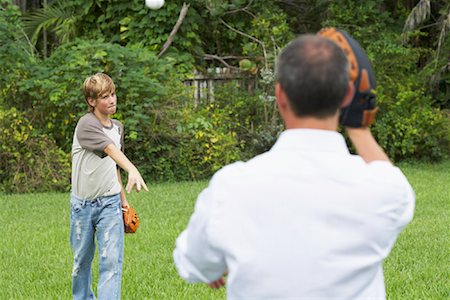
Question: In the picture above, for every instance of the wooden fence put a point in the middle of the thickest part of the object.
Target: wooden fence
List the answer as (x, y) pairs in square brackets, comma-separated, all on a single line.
[(202, 85)]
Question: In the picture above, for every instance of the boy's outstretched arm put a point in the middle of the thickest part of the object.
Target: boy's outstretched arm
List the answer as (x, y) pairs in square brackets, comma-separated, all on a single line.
[(134, 177)]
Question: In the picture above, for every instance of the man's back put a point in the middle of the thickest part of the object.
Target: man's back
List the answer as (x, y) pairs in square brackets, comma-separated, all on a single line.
[(307, 219)]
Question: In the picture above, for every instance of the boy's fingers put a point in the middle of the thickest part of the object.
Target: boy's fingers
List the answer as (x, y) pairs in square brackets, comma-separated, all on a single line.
[(130, 185), (144, 186), (138, 186)]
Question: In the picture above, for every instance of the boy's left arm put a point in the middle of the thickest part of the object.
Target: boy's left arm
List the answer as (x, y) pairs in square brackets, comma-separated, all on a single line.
[(123, 197)]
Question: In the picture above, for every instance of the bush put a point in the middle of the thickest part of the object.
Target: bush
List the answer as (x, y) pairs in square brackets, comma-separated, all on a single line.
[(193, 140), (209, 142), (30, 162), (409, 128), (236, 125)]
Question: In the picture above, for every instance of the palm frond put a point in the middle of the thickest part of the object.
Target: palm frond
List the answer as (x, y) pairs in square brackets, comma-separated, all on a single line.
[(55, 18), (445, 30), (419, 14)]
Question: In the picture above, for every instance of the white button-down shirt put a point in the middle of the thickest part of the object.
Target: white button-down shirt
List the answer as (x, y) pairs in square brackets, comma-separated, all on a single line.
[(305, 220)]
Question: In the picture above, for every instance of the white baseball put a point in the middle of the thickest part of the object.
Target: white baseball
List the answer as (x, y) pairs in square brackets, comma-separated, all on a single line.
[(154, 4)]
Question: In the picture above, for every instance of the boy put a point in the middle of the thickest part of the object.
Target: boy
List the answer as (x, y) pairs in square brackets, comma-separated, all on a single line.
[(97, 194)]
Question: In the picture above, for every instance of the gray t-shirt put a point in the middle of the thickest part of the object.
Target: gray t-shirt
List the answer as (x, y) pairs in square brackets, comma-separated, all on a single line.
[(93, 172)]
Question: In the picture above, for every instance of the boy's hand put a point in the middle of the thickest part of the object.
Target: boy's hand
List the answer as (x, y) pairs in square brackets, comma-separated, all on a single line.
[(125, 204), (135, 178)]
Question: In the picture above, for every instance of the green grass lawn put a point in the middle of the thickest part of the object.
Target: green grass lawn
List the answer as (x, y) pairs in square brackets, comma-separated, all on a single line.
[(36, 258)]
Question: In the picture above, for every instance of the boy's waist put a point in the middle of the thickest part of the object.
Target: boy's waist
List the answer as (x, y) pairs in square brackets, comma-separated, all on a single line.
[(93, 200)]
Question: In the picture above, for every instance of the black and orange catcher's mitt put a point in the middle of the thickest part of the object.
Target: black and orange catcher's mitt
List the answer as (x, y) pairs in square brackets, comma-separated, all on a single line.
[(130, 219), (362, 110)]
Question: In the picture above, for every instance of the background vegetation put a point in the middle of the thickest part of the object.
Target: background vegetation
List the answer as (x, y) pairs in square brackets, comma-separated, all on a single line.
[(418, 267), (47, 48)]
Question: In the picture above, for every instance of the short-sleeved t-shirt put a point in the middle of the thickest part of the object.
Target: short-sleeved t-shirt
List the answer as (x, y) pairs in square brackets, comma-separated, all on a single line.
[(93, 172)]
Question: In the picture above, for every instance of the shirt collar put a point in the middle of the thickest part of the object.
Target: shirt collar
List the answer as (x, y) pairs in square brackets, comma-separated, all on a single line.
[(311, 139)]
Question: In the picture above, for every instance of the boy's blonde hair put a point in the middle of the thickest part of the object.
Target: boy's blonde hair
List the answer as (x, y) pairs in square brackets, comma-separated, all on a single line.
[(97, 85)]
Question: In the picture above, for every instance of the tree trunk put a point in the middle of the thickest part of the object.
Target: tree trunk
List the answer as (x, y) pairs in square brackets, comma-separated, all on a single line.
[(22, 4)]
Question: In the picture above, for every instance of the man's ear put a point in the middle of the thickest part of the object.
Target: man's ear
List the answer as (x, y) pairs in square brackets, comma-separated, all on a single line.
[(281, 98), (349, 95)]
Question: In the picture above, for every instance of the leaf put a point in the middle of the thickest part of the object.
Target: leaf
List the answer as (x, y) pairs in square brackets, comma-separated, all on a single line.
[(419, 14)]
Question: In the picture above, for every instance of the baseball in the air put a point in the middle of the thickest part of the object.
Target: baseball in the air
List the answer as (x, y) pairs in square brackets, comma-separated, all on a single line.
[(154, 4)]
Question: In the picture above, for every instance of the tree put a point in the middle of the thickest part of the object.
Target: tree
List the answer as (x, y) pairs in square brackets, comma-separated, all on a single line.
[(429, 24)]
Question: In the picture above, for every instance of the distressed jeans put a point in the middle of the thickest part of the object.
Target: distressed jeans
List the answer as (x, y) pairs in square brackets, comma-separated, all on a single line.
[(100, 218)]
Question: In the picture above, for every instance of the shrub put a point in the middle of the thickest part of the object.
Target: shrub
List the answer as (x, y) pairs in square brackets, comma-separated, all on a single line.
[(154, 145), (30, 162), (253, 116), (409, 128), (236, 125), (209, 142)]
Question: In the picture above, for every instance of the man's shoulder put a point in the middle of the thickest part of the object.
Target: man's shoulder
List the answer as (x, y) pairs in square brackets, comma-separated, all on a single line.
[(383, 178), (229, 171), (384, 170), (240, 171), (233, 174)]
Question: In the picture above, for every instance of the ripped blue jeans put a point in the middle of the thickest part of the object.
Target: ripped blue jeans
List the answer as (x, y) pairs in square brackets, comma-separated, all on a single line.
[(100, 218)]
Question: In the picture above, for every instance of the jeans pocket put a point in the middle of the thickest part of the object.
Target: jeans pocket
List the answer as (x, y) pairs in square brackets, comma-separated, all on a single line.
[(113, 205), (75, 205)]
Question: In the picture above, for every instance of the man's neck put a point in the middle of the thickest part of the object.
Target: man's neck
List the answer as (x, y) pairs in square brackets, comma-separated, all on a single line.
[(312, 123)]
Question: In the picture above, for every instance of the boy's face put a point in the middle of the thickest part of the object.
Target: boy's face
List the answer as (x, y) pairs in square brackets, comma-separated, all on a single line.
[(105, 104)]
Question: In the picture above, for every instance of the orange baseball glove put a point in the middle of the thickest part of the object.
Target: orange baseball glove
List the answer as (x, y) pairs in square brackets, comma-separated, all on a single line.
[(130, 220), (362, 110)]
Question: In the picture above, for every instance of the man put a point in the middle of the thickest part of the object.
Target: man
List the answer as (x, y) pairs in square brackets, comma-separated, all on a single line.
[(306, 220)]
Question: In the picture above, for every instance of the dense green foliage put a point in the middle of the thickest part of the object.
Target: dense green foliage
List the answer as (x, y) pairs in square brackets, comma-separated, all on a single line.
[(29, 161), (408, 126), (417, 268), (231, 128), (169, 136), (15, 56)]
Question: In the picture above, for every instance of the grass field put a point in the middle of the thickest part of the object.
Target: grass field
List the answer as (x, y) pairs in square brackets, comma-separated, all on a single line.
[(36, 259)]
